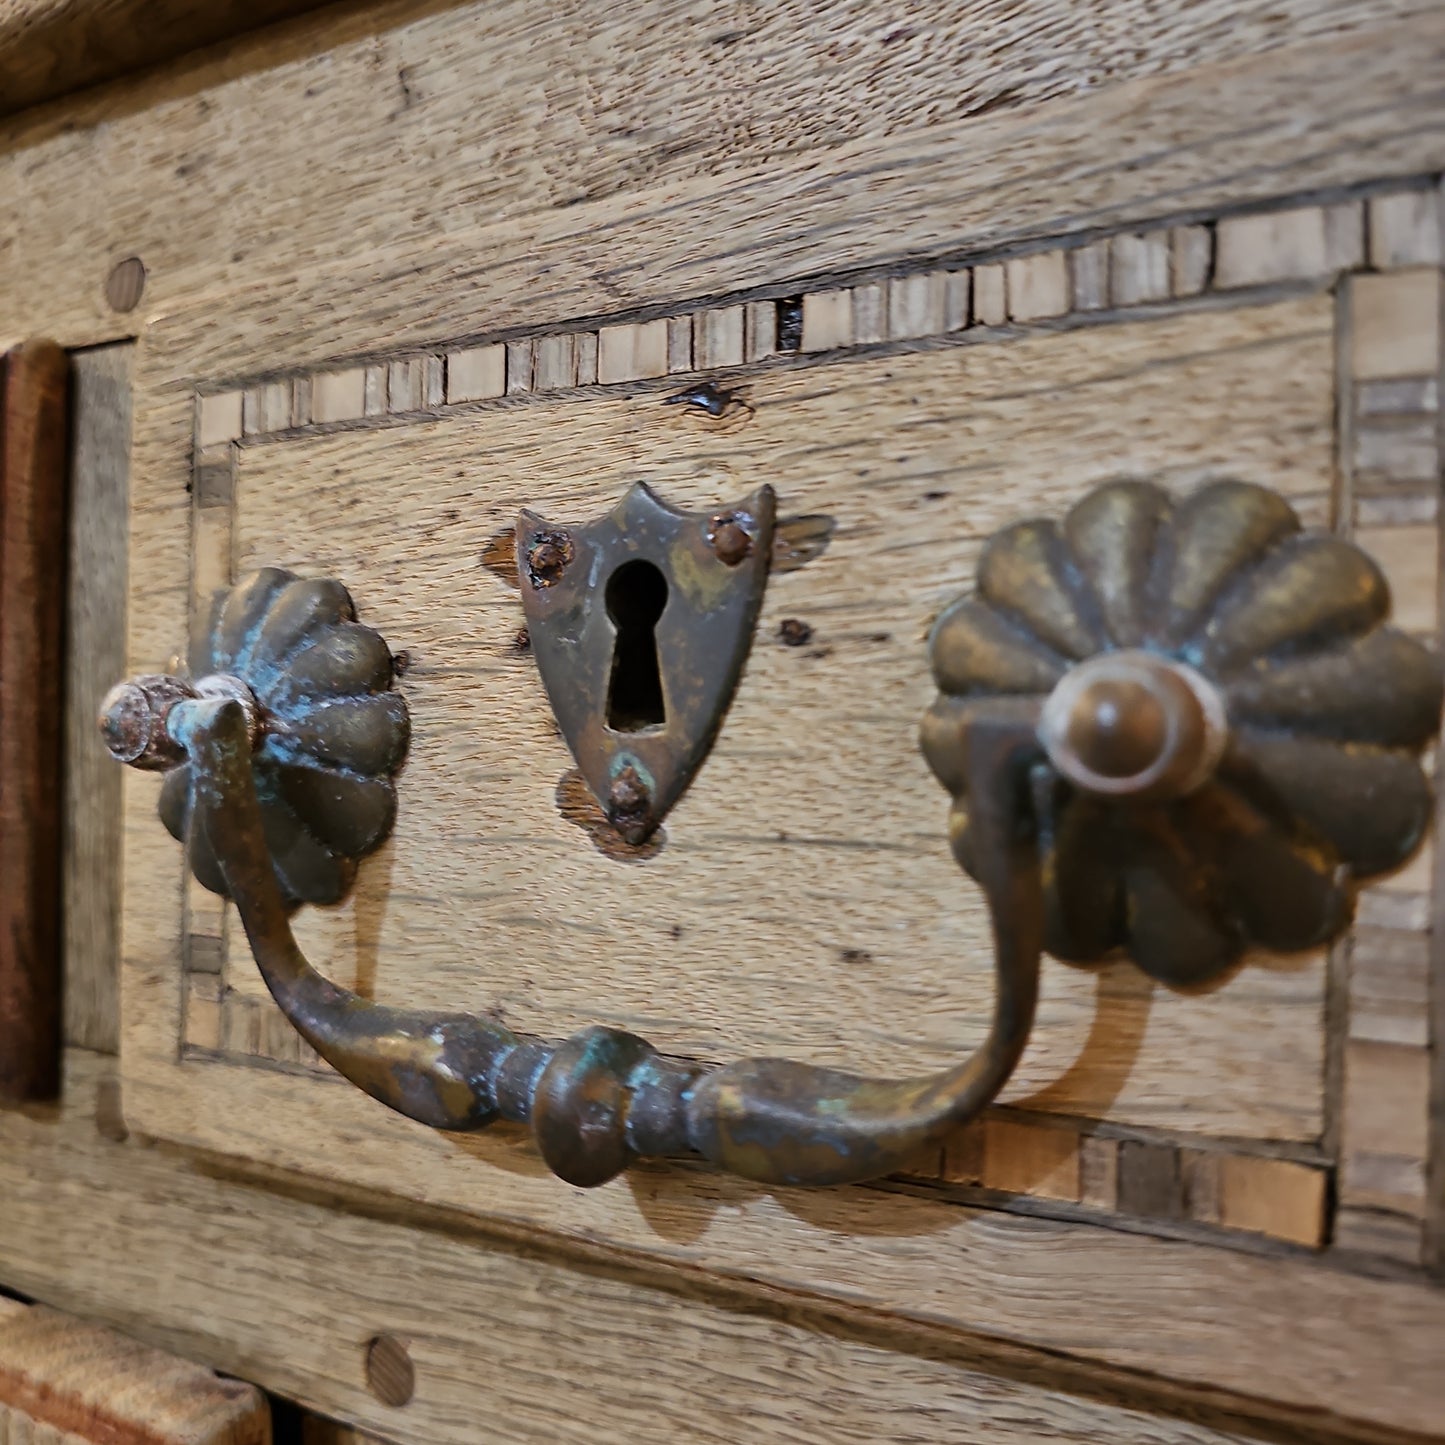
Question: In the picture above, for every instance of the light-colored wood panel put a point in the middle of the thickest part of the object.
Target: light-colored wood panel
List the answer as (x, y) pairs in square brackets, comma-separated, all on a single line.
[(407, 176), (763, 942), (1280, 245), (990, 306), (95, 658), (1038, 286), (1406, 229), (1186, 1313), (1139, 268), (587, 1353), (476, 373), (1396, 324)]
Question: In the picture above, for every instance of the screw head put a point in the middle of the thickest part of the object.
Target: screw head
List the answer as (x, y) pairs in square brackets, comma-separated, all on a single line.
[(628, 800), (548, 557), (390, 1374), (731, 540)]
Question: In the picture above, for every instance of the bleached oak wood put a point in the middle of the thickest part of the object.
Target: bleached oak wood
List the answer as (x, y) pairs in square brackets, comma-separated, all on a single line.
[(1281, 245), (1191, 257), (434, 212), (341, 395), (1390, 987), (870, 313), (1395, 324), (1139, 267), (520, 357), (718, 337), (916, 305), (769, 926), (1410, 559), (957, 299), (1322, 105), (629, 352), (219, 419), (827, 320), (476, 372), (1406, 229), (1038, 285), (287, 1289), (990, 306), (237, 1110), (1089, 276)]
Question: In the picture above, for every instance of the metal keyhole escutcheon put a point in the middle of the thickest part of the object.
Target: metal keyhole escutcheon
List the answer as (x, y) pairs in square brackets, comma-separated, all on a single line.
[(640, 622)]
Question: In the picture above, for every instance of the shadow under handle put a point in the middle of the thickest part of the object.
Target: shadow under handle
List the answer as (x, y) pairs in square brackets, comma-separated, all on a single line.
[(604, 1097)]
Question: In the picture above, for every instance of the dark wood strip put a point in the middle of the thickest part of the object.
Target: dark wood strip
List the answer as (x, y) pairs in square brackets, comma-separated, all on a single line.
[(32, 598), (49, 48)]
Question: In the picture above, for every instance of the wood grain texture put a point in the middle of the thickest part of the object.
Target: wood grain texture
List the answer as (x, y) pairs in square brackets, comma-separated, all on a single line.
[(354, 188), (765, 943), (32, 669), (1267, 368), (95, 658), (69, 1380), (318, 1430), (1390, 473), (807, 139), (287, 1291), (51, 47)]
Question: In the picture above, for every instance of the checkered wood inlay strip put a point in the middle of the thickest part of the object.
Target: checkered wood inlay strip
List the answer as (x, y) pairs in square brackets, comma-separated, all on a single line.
[(1390, 465), (1132, 269)]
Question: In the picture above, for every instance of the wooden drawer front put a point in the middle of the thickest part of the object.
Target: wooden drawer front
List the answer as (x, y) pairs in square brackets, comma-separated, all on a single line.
[(801, 898)]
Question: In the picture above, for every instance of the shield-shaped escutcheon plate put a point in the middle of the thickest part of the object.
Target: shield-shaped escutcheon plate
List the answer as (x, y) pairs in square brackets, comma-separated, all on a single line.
[(641, 622)]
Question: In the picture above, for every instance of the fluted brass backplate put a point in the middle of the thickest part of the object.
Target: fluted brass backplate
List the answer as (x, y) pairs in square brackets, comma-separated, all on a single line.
[(1248, 663)]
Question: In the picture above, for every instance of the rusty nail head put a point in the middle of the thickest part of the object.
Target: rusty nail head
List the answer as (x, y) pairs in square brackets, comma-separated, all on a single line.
[(730, 538), (628, 797), (548, 557)]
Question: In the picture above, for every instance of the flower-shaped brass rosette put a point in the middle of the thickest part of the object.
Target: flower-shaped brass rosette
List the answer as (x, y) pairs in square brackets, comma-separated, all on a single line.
[(326, 730), (1231, 729)]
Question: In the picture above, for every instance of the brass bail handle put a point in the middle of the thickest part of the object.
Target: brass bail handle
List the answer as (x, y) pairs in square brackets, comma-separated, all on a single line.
[(1173, 729)]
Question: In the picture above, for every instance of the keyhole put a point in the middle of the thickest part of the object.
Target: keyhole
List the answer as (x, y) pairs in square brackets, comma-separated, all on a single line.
[(636, 595)]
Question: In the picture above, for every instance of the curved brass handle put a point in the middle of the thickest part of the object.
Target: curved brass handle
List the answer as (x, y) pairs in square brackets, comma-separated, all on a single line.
[(604, 1096), (1175, 729)]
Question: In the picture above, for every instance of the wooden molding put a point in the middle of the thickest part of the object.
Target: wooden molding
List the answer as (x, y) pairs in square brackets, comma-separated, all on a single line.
[(1058, 1330)]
